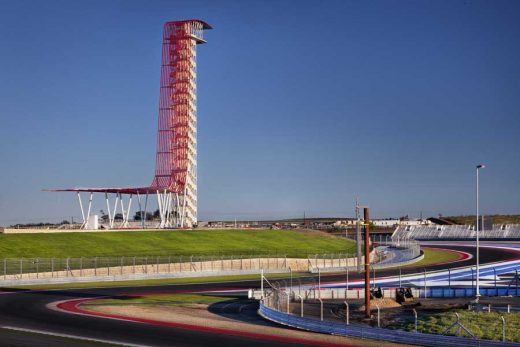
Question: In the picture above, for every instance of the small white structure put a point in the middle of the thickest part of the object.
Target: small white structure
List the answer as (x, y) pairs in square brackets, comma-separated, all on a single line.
[(92, 222)]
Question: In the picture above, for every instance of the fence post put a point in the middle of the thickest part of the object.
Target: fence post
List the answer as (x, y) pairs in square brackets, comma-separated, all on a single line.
[(5, 268), (319, 283), (37, 268), (21, 268), (508, 308), (400, 286), (321, 308), (347, 312), (81, 267), (346, 284), (122, 260), (424, 276), (472, 286), (133, 265), (301, 305), (68, 268), (458, 318), (489, 308), (415, 316), (503, 329), (378, 315), (495, 273), (516, 282), (169, 263), (52, 267), (288, 303), (95, 266), (262, 284), (108, 265), (157, 263), (290, 274)]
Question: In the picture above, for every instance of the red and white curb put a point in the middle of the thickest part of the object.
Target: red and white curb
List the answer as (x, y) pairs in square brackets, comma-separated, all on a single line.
[(72, 306)]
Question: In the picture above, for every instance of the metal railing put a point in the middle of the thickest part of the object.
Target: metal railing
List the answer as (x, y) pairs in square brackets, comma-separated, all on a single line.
[(355, 330), (77, 267)]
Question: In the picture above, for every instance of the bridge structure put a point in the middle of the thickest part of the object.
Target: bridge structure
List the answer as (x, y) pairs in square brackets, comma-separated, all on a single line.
[(175, 180)]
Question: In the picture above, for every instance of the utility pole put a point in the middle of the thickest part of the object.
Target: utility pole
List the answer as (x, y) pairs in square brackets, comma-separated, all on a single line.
[(358, 237), (367, 262), (477, 291)]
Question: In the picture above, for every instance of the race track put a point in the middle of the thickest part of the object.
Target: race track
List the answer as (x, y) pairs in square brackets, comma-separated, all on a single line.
[(28, 310)]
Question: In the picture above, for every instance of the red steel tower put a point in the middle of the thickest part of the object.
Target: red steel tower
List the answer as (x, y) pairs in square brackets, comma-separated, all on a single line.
[(175, 180)]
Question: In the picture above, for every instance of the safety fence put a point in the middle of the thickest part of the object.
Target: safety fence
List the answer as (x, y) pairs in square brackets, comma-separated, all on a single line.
[(77, 267), (360, 331), (385, 254), (312, 292), (297, 302)]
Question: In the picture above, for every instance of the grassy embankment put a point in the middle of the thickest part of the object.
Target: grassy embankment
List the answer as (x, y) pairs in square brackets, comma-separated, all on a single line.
[(434, 256), (175, 243), (483, 324)]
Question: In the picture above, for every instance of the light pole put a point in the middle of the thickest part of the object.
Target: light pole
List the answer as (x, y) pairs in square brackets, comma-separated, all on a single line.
[(477, 294)]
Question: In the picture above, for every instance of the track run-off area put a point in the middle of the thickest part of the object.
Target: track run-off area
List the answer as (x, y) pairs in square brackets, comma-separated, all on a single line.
[(54, 317)]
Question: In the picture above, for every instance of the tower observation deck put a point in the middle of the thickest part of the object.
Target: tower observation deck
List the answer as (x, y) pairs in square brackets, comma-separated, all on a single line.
[(175, 180)]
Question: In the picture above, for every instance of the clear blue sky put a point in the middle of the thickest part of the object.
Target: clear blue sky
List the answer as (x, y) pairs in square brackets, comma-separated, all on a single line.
[(303, 105)]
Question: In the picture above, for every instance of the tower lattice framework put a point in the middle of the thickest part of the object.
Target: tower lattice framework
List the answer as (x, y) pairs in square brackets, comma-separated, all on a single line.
[(175, 180), (176, 162)]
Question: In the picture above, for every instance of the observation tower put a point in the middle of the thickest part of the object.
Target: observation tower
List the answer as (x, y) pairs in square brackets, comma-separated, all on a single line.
[(175, 180)]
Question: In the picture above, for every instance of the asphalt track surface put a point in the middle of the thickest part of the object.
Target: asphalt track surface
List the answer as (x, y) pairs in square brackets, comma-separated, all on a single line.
[(28, 310)]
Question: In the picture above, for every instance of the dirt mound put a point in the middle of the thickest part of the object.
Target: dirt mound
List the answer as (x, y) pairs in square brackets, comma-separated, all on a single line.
[(382, 303)]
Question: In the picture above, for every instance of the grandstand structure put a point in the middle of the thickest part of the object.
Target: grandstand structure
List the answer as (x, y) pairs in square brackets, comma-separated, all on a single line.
[(175, 180), (456, 232)]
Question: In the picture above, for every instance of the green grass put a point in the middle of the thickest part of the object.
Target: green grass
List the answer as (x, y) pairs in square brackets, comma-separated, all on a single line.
[(176, 299), (433, 256), (484, 325), (174, 243), (155, 282)]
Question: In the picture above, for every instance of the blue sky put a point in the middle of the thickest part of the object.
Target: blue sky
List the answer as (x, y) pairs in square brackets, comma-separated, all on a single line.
[(303, 105)]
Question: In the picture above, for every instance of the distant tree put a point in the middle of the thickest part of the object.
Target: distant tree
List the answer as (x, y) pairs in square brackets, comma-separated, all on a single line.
[(137, 216), (104, 216), (65, 222)]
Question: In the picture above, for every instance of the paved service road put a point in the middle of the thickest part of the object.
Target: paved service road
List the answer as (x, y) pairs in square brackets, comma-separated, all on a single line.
[(27, 310)]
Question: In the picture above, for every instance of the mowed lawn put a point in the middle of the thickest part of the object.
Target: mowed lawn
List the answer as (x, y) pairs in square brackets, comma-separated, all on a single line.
[(174, 243)]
